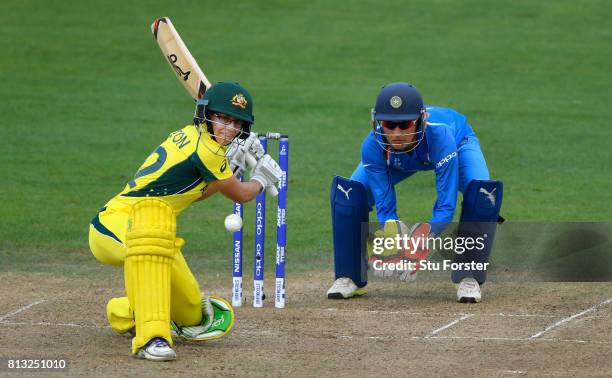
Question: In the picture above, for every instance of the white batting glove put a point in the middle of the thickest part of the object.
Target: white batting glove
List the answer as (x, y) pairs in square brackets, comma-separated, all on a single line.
[(254, 147), (245, 154), (267, 173), (237, 158)]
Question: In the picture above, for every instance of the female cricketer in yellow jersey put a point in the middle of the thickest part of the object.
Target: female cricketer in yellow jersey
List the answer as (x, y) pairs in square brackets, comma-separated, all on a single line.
[(136, 229)]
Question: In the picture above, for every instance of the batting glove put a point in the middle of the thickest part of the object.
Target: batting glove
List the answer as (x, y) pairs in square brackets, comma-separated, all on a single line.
[(267, 173)]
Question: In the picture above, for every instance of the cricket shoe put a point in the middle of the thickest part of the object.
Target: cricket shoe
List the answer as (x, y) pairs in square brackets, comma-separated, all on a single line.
[(217, 321), (344, 288), (468, 291), (157, 349)]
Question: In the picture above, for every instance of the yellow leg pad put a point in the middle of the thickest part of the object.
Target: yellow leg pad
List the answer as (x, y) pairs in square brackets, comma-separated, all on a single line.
[(120, 315), (151, 248)]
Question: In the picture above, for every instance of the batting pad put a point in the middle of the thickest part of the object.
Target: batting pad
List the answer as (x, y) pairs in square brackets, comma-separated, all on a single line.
[(150, 243)]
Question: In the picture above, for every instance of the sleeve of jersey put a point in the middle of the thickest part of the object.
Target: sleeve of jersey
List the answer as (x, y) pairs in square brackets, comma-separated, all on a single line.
[(379, 181), (445, 156), (210, 166)]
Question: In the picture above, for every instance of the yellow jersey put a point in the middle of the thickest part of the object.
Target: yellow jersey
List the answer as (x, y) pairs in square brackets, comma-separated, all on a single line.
[(178, 170)]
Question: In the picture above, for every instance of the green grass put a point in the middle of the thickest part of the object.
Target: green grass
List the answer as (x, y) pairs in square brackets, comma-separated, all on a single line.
[(86, 96)]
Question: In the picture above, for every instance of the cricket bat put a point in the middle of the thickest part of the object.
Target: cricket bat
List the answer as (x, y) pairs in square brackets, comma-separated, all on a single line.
[(179, 58)]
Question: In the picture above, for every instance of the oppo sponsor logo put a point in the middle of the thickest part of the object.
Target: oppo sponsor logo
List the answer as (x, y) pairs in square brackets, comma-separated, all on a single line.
[(258, 261), (259, 217), (258, 242), (448, 158)]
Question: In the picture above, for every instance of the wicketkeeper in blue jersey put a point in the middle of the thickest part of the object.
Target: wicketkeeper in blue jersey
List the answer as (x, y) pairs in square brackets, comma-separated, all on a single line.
[(408, 137)]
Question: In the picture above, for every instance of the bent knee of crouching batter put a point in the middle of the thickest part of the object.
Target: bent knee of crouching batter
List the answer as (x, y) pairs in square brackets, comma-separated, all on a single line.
[(120, 315)]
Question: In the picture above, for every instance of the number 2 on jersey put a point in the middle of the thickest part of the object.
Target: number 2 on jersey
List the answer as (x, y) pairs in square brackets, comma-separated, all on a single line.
[(161, 159)]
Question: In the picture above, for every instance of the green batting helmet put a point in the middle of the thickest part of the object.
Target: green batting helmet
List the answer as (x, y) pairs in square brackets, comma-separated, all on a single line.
[(232, 99)]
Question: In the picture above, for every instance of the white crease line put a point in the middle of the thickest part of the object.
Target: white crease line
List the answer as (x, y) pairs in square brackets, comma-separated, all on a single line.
[(497, 314), (569, 318), (368, 337), (434, 332), (53, 324), (270, 333), (475, 338), (21, 309), (555, 340), (376, 311), (503, 315), (575, 341)]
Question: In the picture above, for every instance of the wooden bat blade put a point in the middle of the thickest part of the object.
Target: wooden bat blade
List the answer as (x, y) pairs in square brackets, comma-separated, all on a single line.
[(179, 58)]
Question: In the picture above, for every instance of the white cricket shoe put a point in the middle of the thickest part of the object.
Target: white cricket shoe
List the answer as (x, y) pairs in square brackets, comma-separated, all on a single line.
[(157, 349), (468, 291), (344, 288)]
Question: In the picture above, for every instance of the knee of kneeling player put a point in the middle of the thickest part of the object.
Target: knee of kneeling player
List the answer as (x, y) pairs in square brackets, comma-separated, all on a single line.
[(120, 315)]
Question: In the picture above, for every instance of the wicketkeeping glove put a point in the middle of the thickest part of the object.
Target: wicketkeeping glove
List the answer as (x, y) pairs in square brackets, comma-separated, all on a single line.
[(391, 229), (418, 250)]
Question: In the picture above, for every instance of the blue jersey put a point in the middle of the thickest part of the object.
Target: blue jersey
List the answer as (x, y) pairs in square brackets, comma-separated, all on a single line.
[(446, 131)]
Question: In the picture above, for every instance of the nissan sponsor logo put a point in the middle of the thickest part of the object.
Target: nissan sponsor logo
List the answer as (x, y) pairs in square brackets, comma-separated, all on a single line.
[(448, 158), (237, 257)]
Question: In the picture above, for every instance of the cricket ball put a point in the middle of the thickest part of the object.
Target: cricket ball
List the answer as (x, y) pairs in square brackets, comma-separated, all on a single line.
[(233, 223)]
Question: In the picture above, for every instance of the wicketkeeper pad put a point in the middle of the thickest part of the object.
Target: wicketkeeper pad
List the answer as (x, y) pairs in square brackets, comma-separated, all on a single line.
[(349, 211), (150, 243), (480, 209)]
